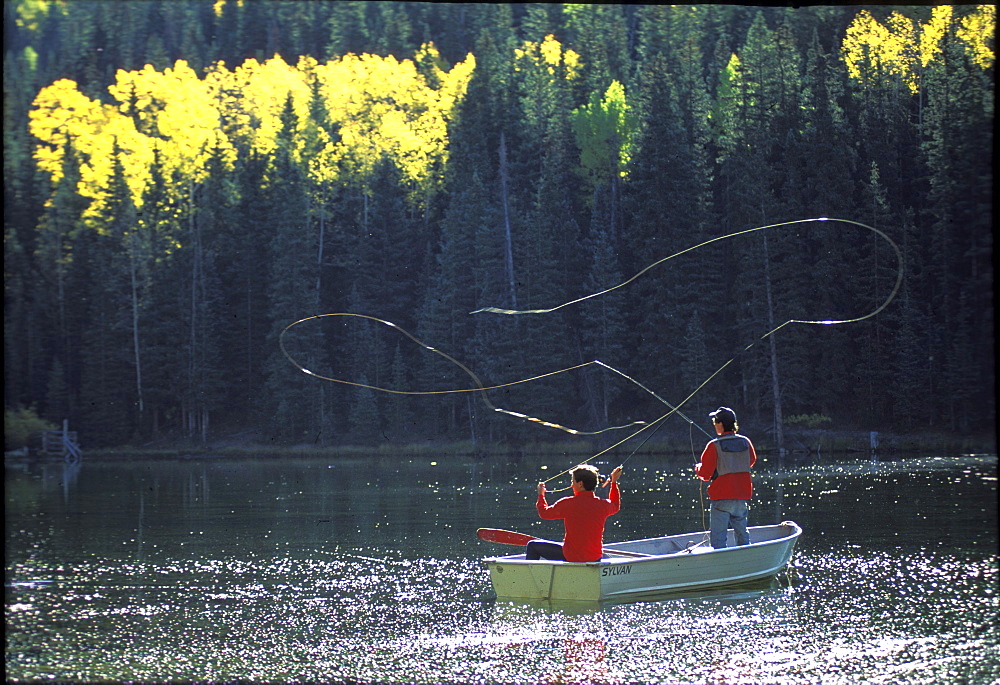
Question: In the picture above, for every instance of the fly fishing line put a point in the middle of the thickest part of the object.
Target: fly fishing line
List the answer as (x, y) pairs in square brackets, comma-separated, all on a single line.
[(482, 389), (822, 322)]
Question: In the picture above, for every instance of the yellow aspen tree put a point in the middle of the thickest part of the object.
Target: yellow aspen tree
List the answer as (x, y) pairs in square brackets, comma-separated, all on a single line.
[(905, 48), (180, 109), (378, 108), (253, 96), (933, 32), (977, 31), (62, 116), (544, 69), (385, 109)]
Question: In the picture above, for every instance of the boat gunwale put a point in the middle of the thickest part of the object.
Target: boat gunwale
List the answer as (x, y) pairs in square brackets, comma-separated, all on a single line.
[(519, 559)]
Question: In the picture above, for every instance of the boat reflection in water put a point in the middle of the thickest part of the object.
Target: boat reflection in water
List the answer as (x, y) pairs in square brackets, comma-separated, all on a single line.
[(597, 640), (585, 663)]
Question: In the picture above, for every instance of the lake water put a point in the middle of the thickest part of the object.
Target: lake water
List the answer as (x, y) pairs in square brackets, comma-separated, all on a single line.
[(369, 570)]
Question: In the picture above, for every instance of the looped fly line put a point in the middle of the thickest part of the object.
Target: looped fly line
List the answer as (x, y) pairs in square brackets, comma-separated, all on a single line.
[(479, 386), (676, 409), (643, 426)]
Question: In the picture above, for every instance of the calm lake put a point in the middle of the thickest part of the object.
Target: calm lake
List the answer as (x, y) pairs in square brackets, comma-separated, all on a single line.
[(369, 570)]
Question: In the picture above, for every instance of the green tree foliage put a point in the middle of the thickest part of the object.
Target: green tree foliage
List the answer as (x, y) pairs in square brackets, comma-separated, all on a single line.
[(21, 425), (604, 130), (292, 294), (183, 180), (601, 34)]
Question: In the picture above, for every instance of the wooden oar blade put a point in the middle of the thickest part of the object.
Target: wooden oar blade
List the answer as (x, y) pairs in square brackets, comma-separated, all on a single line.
[(504, 537)]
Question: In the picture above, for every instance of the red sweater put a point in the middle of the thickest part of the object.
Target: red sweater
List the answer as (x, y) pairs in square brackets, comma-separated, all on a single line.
[(729, 485), (583, 516)]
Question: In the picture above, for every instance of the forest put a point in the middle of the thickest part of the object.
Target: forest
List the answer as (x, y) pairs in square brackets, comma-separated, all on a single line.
[(186, 179)]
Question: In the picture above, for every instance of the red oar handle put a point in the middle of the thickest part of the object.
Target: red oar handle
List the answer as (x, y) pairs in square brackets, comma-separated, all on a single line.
[(504, 537)]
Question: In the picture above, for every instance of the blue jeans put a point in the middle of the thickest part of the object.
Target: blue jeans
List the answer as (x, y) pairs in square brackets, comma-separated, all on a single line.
[(726, 514)]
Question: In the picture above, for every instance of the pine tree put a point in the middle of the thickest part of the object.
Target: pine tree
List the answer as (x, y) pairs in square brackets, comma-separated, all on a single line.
[(160, 224), (602, 328), (204, 310), (662, 218), (293, 399), (398, 412), (364, 422), (959, 239), (68, 274), (106, 398), (599, 33), (387, 176)]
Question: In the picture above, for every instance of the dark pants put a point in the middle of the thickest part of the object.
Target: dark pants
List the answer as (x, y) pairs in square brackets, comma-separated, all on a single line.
[(543, 549)]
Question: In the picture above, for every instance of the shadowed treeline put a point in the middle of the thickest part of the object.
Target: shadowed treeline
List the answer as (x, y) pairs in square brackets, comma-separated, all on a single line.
[(184, 179)]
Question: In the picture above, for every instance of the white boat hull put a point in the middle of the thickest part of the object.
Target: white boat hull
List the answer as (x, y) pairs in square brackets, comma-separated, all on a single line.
[(676, 563)]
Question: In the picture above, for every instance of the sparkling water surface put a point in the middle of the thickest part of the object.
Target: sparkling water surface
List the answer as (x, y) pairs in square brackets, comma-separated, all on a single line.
[(370, 570)]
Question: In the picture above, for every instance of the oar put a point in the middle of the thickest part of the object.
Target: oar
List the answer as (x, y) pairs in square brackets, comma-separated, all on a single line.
[(509, 537), (504, 537)]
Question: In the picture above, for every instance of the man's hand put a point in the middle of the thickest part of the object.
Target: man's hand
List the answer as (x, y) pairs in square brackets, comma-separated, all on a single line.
[(541, 488), (615, 475)]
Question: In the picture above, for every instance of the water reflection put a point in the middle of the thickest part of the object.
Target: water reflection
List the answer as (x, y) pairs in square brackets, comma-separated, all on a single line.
[(370, 570), (585, 663), (69, 476)]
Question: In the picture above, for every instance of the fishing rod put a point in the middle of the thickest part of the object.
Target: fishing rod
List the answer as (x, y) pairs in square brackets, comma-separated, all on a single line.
[(672, 407)]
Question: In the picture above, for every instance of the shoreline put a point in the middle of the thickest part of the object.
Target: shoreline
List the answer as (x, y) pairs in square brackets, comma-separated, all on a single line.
[(799, 443)]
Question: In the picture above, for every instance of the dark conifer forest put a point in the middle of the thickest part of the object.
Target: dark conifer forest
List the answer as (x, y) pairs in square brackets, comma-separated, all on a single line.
[(184, 179)]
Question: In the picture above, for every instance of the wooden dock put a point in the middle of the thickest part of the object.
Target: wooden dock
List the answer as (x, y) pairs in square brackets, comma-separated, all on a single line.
[(63, 443)]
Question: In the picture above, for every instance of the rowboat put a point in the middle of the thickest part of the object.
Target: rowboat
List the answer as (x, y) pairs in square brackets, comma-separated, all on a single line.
[(652, 566)]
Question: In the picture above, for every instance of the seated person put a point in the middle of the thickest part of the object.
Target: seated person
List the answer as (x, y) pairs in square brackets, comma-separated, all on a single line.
[(583, 514)]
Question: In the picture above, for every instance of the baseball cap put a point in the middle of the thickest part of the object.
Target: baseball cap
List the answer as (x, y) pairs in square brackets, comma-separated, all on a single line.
[(723, 415)]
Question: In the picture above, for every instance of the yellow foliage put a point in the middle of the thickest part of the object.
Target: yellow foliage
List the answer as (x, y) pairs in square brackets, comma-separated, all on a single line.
[(378, 108), (384, 108), (903, 49), (933, 32), (59, 114), (454, 85), (252, 97), (179, 110), (860, 43), (900, 50), (549, 53), (977, 31), (62, 116), (872, 51)]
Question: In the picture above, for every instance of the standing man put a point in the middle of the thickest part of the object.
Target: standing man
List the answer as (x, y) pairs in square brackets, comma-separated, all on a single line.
[(726, 462), (583, 514)]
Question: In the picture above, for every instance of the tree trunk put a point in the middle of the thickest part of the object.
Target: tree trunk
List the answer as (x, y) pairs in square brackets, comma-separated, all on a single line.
[(319, 255), (508, 241), (472, 422), (779, 435), (135, 325), (193, 333)]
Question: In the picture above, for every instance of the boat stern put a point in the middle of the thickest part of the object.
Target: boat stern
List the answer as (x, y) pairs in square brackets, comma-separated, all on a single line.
[(545, 579)]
